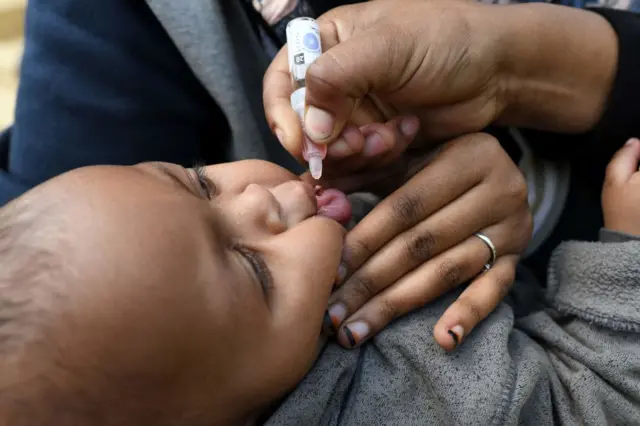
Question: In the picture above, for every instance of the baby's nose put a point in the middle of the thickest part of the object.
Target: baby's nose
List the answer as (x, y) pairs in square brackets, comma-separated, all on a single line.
[(261, 203), (297, 201)]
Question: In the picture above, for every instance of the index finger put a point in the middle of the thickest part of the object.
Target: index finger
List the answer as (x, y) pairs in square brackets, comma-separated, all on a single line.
[(421, 196), (276, 91)]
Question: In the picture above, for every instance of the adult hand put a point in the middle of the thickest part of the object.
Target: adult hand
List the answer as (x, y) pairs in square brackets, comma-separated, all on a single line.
[(419, 243), (457, 65)]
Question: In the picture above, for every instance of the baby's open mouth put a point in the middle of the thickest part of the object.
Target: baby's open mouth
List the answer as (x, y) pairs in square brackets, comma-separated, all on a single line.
[(333, 204)]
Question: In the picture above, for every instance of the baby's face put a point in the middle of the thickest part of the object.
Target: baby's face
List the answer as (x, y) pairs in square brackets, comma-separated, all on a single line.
[(210, 287)]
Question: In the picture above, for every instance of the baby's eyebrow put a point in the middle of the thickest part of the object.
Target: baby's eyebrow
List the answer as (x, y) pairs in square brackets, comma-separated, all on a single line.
[(166, 171)]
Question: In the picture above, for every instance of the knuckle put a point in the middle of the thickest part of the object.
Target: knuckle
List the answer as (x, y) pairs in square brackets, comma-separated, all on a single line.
[(485, 141), (388, 311), (450, 273), (408, 209), (361, 288), (492, 156), (357, 251), (519, 227), (419, 248), (504, 282), (487, 147), (326, 74), (516, 188), (470, 308)]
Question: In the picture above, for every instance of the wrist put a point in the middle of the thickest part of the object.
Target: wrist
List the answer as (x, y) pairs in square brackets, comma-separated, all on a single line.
[(557, 67)]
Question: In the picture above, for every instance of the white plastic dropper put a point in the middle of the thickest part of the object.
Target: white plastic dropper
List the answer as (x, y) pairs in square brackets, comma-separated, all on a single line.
[(312, 153), (304, 47)]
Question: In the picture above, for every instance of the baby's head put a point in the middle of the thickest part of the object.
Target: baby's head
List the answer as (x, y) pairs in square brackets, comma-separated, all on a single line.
[(158, 295)]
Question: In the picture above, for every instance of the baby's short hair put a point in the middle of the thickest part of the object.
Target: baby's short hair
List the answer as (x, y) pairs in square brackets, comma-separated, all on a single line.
[(37, 386), (28, 262), (39, 383), (32, 265)]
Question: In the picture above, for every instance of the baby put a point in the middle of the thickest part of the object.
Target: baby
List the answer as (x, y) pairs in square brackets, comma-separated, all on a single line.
[(157, 295)]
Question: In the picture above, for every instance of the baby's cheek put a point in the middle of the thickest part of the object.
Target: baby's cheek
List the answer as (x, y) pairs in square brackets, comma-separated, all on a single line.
[(297, 361)]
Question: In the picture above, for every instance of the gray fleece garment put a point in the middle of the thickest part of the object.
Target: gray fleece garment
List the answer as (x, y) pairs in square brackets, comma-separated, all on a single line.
[(567, 357)]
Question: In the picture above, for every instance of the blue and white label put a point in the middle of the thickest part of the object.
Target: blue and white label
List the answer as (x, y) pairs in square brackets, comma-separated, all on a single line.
[(303, 45), (311, 42)]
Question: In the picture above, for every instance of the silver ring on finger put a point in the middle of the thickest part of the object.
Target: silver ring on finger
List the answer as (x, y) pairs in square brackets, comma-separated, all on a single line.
[(492, 249)]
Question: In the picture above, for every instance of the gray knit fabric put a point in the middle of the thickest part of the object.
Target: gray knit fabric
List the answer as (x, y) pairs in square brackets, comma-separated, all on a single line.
[(576, 362)]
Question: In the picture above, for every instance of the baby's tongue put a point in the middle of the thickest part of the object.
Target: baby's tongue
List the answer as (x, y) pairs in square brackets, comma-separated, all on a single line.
[(335, 205)]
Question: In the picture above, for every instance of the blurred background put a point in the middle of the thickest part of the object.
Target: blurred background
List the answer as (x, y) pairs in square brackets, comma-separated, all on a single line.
[(11, 45)]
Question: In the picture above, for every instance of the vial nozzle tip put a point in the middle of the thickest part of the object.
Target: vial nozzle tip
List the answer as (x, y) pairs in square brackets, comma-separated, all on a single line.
[(315, 167)]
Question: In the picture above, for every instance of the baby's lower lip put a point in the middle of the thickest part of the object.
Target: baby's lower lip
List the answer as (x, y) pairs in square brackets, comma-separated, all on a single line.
[(334, 204)]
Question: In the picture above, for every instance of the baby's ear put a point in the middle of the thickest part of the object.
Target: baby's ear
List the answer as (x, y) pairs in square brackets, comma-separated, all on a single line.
[(624, 163)]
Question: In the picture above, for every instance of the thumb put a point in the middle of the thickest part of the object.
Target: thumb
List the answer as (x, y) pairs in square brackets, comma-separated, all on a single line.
[(346, 73), (624, 163)]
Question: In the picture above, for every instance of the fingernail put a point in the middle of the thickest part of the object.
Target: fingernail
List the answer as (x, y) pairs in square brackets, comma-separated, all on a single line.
[(318, 124), (327, 324), (456, 334), (631, 141), (342, 272), (373, 145), (356, 332), (337, 313), (340, 148), (409, 126), (280, 135)]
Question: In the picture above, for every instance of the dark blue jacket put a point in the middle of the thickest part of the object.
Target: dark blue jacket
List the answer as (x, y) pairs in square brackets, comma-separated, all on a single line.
[(102, 83)]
